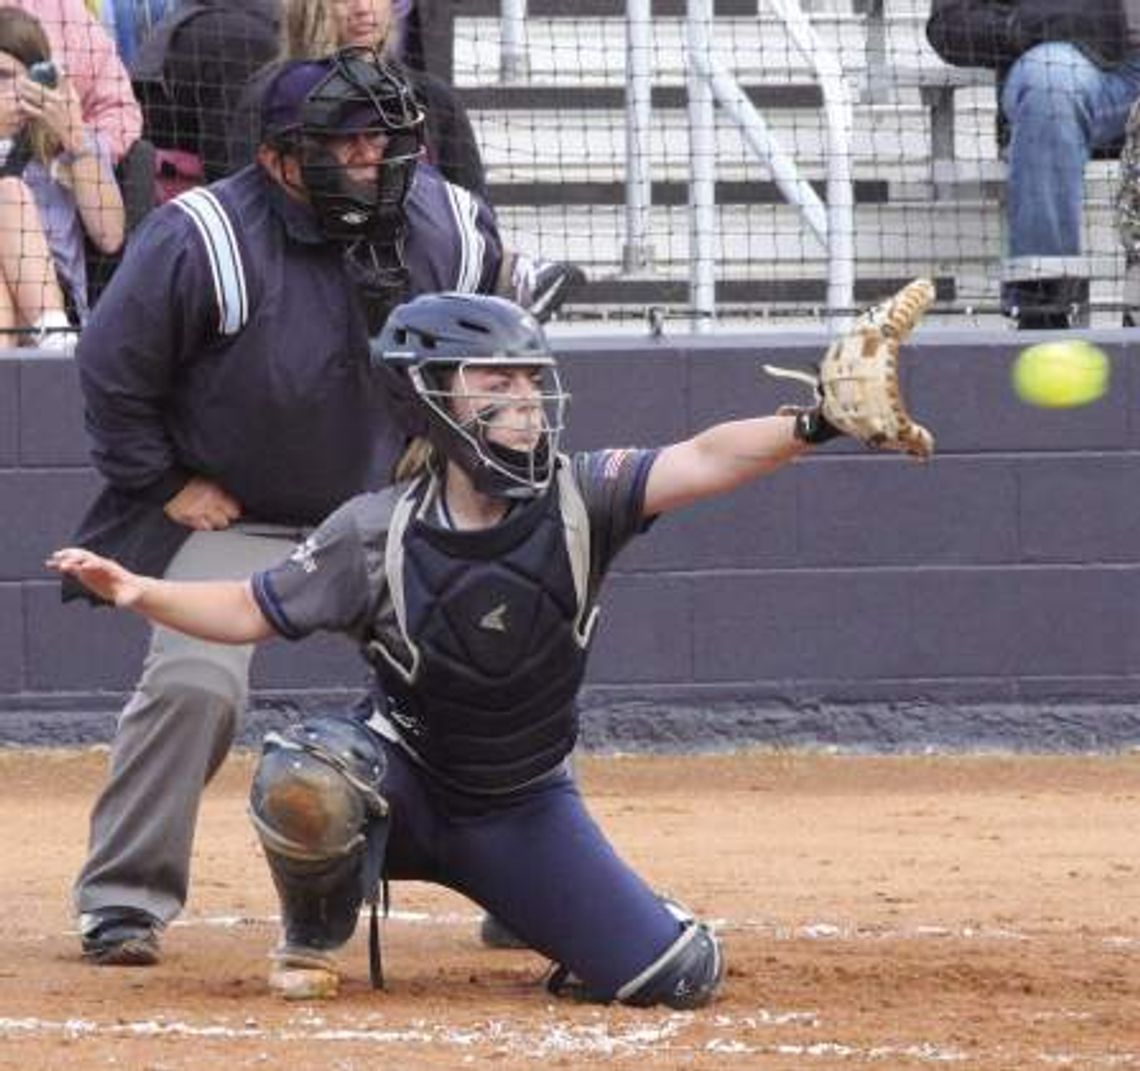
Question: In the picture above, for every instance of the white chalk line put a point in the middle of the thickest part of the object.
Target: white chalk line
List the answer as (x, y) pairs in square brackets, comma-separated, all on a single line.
[(810, 931), (665, 1036), (662, 1037), (777, 931), (598, 1039)]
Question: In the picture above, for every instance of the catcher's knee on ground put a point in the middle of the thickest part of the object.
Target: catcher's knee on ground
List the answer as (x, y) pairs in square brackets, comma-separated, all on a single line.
[(685, 976), (317, 806)]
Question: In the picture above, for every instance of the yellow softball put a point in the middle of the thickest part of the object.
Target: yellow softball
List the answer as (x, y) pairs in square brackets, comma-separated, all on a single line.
[(1062, 374)]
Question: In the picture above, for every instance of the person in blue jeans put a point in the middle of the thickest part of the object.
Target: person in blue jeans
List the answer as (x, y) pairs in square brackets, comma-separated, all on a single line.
[(471, 587), (1068, 75)]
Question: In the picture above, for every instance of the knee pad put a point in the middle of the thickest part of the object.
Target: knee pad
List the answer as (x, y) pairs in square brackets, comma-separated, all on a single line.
[(317, 805), (686, 975), (317, 788)]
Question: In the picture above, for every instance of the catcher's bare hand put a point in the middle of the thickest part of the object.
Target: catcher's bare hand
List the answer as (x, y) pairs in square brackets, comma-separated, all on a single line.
[(102, 576), (204, 506)]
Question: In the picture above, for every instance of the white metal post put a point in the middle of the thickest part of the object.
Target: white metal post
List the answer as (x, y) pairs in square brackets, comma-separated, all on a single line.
[(702, 166), (833, 225), (512, 41), (839, 114), (638, 252)]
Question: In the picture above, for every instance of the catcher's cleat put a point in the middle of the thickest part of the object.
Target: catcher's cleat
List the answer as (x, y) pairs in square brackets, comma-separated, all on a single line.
[(496, 934), (303, 974), (120, 937)]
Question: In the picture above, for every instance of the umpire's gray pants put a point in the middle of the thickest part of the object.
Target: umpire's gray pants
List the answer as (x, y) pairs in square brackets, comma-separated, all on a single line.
[(171, 738)]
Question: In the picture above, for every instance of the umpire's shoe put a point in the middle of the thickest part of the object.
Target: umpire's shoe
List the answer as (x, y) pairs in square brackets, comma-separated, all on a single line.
[(120, 937)]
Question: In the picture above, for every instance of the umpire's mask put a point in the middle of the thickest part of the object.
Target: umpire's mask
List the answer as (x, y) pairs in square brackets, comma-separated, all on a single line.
[(352, 123)]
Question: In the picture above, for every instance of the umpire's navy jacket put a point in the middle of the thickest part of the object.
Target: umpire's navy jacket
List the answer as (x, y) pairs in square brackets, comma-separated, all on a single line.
[(251, 370)]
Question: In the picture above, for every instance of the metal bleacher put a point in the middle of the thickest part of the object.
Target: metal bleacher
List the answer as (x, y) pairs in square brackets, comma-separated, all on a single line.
[(928, 181)]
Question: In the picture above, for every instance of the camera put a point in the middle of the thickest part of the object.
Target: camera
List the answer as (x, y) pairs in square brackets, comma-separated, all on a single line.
[(44, 72)]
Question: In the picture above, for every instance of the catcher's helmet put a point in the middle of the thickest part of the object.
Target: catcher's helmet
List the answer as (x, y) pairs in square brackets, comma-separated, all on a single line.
[(426, 346), (350, 93)]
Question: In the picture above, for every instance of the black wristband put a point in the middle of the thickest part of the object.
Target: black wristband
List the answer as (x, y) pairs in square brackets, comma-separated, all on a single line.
[(813, 428)]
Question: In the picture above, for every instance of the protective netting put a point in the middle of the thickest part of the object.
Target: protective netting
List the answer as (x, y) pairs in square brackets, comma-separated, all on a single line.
[(928, 173), (837, 154)]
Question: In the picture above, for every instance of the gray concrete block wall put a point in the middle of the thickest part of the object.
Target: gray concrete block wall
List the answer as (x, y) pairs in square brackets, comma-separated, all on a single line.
[(878, 597)]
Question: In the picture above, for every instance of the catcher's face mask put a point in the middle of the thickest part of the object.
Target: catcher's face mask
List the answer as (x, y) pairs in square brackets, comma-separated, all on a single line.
[(506, 419), (479, 372)]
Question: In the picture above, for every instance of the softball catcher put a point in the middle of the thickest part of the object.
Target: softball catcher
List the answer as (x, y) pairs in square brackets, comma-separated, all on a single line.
[(472, 589)]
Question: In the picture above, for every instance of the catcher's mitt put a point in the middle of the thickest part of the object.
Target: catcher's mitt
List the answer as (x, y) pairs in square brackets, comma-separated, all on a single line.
[(857, 384)]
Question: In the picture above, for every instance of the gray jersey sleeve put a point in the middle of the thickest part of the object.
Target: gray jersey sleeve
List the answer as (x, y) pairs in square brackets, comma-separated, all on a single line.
[(612, 483), (334, 579)]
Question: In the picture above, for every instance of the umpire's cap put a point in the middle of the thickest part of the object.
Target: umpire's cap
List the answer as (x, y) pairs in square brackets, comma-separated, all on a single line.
[(351, 91)]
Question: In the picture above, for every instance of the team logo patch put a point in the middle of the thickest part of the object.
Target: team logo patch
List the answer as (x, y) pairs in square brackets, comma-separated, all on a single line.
[(495, 620), (305, 555)]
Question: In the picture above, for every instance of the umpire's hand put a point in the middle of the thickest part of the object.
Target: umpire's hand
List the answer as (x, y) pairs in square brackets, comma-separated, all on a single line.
[(203, 506)]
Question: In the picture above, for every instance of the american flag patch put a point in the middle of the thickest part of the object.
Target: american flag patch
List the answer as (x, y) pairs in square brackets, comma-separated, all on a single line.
[(613, 463)]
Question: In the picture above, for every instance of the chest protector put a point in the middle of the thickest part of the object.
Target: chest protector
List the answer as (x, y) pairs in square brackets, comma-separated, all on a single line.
[(483, 649)]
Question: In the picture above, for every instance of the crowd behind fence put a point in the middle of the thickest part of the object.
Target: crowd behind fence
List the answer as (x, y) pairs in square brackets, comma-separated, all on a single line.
[(777, 160)]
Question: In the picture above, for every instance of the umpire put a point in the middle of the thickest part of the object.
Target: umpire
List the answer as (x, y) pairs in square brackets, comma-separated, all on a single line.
[(230, 403)]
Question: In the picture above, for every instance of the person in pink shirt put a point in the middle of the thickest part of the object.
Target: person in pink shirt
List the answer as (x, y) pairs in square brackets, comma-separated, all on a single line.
[(84, 49), (56, 191)]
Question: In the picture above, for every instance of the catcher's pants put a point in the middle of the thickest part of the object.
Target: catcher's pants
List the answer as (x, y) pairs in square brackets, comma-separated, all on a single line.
[(537, 861), (171, 738), (1061, 107)]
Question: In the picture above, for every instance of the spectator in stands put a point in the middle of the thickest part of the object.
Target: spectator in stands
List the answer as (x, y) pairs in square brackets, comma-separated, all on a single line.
[(56, 185), (226, 375), (1128, 215), (427, 36), (130, 22), (192, 72), (82, 47), (1068, 74), (315, 27)]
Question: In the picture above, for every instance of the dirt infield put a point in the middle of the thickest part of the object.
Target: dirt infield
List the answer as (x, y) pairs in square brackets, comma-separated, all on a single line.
[(979, 912)]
